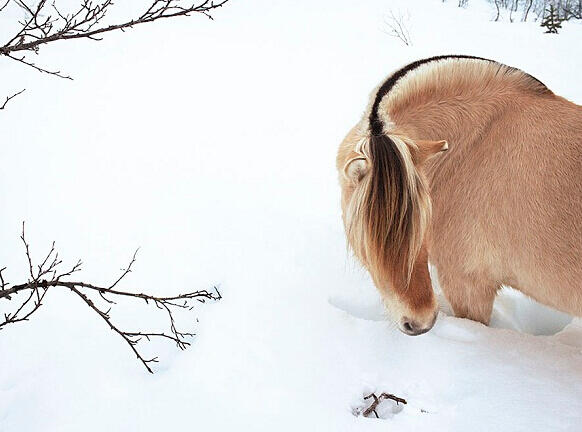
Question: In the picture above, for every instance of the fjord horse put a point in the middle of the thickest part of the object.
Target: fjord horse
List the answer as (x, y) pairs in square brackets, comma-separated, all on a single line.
[(473, 166)]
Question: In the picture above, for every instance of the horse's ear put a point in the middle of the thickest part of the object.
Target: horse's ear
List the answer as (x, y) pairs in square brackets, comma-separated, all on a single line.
[(428, 149), (356, 168)]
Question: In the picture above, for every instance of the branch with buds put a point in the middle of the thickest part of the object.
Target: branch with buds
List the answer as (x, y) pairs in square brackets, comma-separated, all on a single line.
[(47, 275), (45, 23)]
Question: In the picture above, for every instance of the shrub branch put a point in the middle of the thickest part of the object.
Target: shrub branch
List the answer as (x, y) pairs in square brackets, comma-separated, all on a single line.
[(45, 23), (47, 275)]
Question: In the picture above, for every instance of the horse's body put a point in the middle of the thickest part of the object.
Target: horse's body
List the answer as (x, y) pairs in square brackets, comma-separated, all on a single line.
[(503, 206)]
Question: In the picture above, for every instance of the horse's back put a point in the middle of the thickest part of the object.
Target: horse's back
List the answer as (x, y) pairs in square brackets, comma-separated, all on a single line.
[(509, 205)]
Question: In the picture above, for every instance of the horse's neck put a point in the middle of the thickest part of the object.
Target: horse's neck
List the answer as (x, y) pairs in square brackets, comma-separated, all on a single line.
[(461, 120)]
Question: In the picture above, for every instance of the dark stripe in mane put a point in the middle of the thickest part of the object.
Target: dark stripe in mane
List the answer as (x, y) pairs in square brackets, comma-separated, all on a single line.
[(376, 125)]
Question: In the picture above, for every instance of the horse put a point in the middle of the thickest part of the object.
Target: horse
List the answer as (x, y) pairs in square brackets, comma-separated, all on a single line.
[(474, 167)]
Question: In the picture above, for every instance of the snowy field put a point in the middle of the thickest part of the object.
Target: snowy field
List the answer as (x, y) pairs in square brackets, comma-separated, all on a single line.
[(211, 145)]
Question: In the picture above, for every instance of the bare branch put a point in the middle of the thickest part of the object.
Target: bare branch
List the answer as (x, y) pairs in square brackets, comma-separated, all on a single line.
[(4, 5), (377, 400), (45, 276), (8, 98), (125, 271), (46, 23), (397, 26), (38, 68), (2, 283)]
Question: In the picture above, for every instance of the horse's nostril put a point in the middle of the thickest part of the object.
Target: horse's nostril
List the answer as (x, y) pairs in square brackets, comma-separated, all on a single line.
[(412, 328), (408, 327)]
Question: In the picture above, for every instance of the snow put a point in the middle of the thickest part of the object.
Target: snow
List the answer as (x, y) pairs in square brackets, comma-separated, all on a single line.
[(211, 145)]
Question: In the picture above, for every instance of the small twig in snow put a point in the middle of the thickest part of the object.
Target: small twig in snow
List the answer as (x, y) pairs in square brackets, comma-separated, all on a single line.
[(377, 400)]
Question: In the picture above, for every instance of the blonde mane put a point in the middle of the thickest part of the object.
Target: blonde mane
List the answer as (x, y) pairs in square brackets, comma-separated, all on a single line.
[(389, 212)]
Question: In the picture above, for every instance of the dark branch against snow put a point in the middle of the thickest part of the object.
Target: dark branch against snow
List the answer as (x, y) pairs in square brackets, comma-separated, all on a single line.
[(46, 23), (8, 98), (46, 275)]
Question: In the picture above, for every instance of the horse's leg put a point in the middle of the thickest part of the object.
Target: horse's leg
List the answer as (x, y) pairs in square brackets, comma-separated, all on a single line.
[(470, 296)]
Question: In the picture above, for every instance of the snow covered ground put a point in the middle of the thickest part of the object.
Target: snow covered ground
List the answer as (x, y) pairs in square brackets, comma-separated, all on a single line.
[(212, 146)]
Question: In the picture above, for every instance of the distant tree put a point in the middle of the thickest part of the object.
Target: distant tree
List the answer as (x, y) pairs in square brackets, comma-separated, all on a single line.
[(552, 20), (497, 9), (538, 9), (528, 8), (573, 10)]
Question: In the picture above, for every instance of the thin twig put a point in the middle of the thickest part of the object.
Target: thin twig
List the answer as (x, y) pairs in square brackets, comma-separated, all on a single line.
[(377, 400), (4, 5), (8, 98), (46, 23), (397, 24), (45, 276), (38, 68)]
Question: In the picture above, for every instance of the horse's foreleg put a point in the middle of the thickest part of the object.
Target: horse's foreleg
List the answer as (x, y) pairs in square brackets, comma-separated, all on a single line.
[(470, 296)]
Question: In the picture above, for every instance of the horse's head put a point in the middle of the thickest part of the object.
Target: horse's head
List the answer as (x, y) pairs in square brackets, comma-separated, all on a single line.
[(386, 212)]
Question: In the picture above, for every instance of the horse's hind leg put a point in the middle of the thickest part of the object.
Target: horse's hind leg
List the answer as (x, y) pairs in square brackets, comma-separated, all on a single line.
[(470, 296)]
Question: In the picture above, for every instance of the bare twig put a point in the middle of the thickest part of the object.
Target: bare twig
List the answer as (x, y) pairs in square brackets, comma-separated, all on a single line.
[(8, 98), (44, 26), (4, 5), (397, 27), (45, 276), (45, 23), (377, 400), (38, 68)]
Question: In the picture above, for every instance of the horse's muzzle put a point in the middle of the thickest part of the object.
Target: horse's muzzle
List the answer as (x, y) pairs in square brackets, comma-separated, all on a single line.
[(414, 328)]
